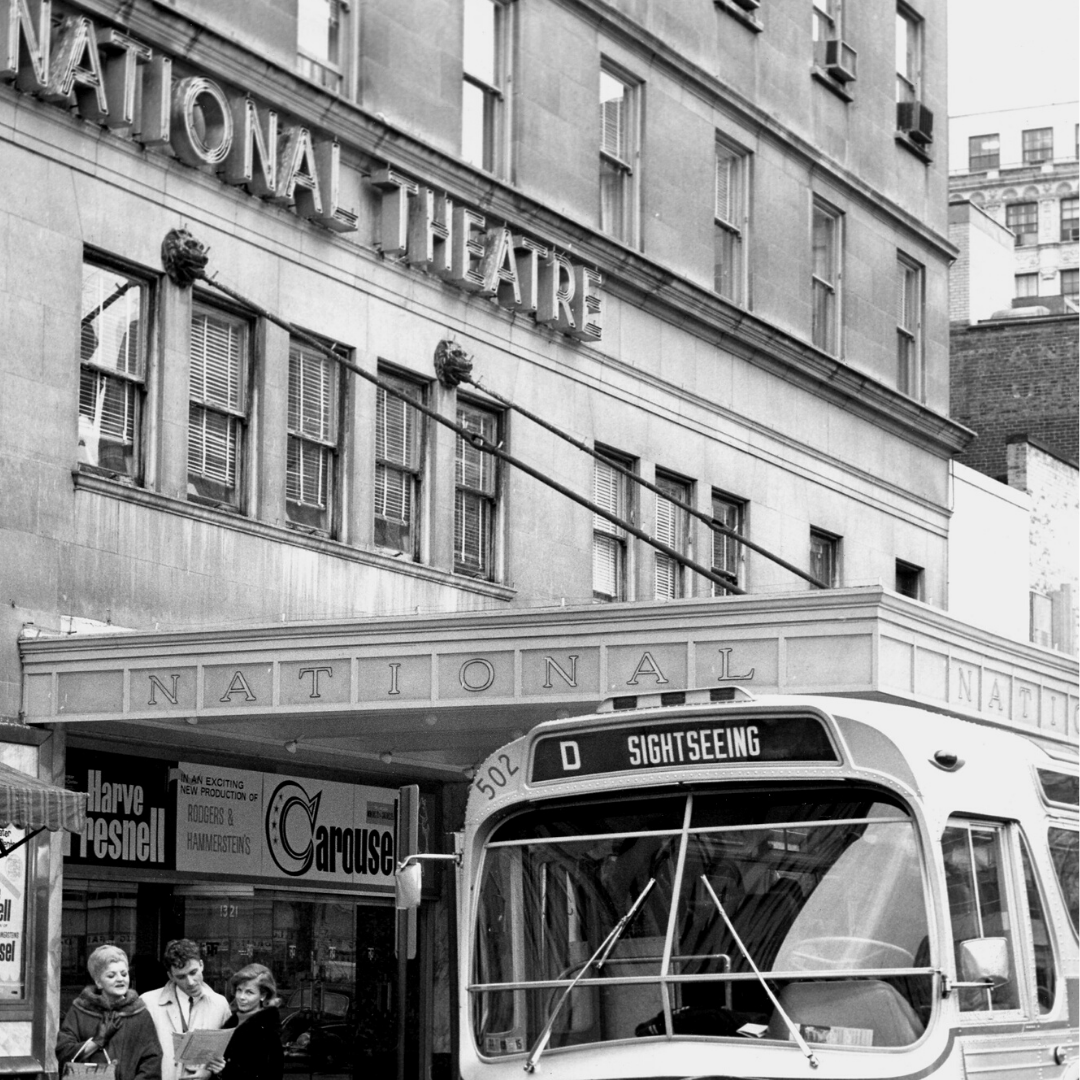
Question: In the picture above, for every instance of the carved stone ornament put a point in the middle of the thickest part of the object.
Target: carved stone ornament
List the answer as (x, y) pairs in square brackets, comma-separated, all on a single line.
[(453, 364), (183, 257)]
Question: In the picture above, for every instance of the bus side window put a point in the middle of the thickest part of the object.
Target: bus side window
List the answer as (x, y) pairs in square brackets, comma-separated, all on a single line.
[(978, 903), (1045, 974), (1063, 845)]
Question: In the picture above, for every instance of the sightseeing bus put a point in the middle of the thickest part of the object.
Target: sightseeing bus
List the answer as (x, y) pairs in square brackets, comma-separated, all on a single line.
[(704, 884)]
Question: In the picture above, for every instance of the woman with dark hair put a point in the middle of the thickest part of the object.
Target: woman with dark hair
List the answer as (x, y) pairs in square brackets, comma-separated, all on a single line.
[(254, 1051), (108, 1022)]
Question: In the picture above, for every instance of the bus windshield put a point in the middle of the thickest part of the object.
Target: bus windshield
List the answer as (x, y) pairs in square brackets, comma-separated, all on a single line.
[(823, 886)]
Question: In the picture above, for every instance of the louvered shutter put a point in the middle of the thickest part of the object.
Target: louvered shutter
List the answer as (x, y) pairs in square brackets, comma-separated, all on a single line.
[(607, 492), (212, 445), (216, 362), (218, 347), (726, 184), (475, 475), (612, 116), (670, 529)]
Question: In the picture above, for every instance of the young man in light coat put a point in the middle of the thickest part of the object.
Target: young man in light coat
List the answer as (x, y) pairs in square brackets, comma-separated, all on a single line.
[(183, 1003)]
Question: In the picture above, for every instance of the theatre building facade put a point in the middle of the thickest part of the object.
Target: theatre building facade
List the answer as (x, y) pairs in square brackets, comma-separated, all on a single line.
[(271, 549)]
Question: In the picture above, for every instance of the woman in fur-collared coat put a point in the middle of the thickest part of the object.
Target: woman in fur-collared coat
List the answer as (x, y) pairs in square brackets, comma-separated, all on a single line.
[(108, 1022)]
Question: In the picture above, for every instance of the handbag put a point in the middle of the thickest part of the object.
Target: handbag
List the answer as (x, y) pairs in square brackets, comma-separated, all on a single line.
[(91, 1070)]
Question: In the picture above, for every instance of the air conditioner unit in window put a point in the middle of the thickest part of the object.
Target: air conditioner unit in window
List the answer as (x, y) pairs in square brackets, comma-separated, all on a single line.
[(916, 121), (747, 5), (838, 59), (1072, 234)]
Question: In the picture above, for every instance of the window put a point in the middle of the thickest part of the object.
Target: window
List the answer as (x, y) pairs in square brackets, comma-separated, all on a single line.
[(398, 458), (727, 553), (1038, 145), (611, 490), (322, 44), (476, 495), (1023, 219), (217, 413), (1070, 283), (484, 63), (311, 464), (112, 373), (909, 309), (671, 529), (1026, 284), (731, 175), (1070, 218), (908, 55), (618, 153), (826, 20), (976, 880), (1063, 854), (824, 557), (1041, 938), (909, 579), (826, 273), (984, 152)]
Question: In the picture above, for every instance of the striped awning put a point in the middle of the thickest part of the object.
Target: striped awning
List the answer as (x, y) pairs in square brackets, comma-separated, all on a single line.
[(30, 803)]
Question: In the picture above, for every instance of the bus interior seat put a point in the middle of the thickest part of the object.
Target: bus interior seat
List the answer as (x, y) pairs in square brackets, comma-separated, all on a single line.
[(861, 1004)]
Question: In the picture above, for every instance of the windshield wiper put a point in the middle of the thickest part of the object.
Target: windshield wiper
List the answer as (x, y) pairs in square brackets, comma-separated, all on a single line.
[(795, 1033), (598, 959)]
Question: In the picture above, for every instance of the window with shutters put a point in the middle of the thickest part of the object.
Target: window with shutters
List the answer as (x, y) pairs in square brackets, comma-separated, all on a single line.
[(112, 373), (323, 44), (672, 529), (311, 471), (728, 554), (485, 64), (611, 490), (398, 459), (909, 315), (825, 557), (825, 277), (619, 110), (217, 410), (476, 479), (732, 167)]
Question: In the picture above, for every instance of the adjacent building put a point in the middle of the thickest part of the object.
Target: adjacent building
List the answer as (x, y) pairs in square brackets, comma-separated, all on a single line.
[(251, 591)]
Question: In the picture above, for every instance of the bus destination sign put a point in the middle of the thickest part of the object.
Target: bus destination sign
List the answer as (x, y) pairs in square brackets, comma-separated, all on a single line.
[(693, 742)]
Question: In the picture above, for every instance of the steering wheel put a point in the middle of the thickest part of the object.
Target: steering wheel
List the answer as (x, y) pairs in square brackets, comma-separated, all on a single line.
[(842, 951)]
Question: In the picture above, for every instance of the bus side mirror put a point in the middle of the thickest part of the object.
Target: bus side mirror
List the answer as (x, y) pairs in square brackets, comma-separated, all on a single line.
[(407, 882), (985, 960)]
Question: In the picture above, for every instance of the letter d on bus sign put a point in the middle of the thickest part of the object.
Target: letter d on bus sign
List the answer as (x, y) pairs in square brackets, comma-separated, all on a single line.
[(408, 840)]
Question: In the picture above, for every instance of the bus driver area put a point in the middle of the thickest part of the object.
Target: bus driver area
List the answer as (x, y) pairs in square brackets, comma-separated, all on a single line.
[(784, 898)]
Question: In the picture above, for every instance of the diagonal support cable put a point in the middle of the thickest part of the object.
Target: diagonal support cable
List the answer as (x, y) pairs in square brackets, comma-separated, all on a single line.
[(454, 370), (184, 259)]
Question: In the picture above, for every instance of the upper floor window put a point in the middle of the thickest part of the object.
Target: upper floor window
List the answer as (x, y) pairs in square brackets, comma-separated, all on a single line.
[(1026, 285), (732, 166), (1070, 283), (826, 20), (825, 557), (825, 277), (398, 467), (833, 56), (909, 46), (909, 579), (218, 409), (672, 529), (1038, 145), (1023, 219), (476, 494), (483, 113), (909, 314), (984, 152), (727, 553), (609, 552), (322, 46), (1070, 218), (113, 342), (312, 457), (619, 107)]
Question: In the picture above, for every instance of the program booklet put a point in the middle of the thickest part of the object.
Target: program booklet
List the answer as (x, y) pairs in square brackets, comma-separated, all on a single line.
[(197, 1047)]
